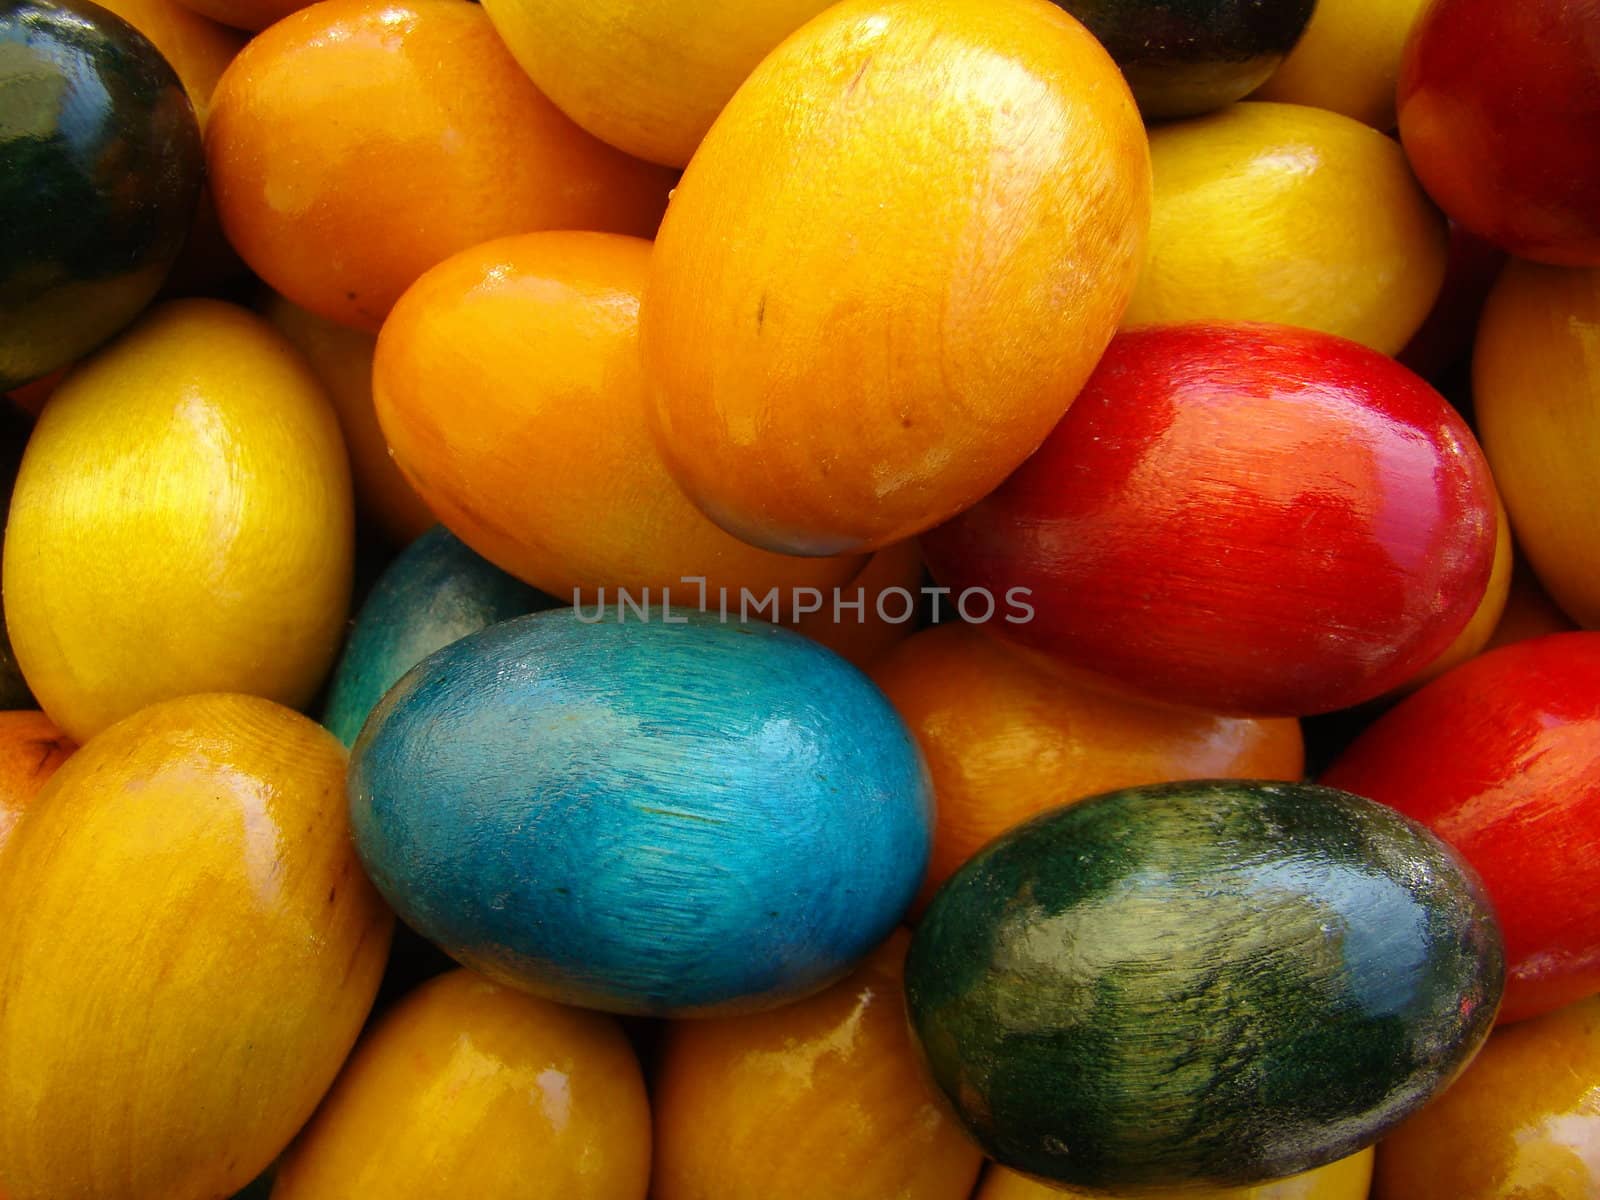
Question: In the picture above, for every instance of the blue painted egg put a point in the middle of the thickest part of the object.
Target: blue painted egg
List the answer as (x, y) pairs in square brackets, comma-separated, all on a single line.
[(435, 592), (643, 817)]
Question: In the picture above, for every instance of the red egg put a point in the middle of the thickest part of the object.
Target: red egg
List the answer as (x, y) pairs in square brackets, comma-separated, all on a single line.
[(1248, 519), (1501, 758), (1499, 105)]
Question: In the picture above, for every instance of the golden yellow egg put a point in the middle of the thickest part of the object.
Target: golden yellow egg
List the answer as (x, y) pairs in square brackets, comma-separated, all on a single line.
[(188, 949), (1347, 1179), (1278, 212), (1348, 59), (181, 523)]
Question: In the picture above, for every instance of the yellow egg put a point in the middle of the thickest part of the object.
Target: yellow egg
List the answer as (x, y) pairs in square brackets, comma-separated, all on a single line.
[(1348, 59), (1346, 1179), (472, 1090), (1277, 212), (181, 523), (188, 949)]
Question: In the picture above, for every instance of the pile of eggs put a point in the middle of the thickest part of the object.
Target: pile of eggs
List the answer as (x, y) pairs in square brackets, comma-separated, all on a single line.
[(887, 600)]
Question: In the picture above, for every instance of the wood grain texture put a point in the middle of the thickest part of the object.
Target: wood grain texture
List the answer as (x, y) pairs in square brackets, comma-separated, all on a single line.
[(100, 170), (890, 266), (1201, 983), (31, 749), (824, 1097), (643, 817), (188, 948), (1277, 212), (356, 143), (645, 75), (182, 523), (1244, 519), (1347, 1179), (435, 592), (1524, 1121), (1186, 57), (474, 1090), (1498, 104), (1348, 60), (1501, 758), (1536, 388), (1006, 739)]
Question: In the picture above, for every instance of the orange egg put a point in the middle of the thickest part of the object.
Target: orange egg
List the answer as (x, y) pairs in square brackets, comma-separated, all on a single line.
[(890, 266), (341, 358), (887, 590), (357, 143), (31, 748), (550, 472), (1005, 740), (246, 14), (824, 1098)]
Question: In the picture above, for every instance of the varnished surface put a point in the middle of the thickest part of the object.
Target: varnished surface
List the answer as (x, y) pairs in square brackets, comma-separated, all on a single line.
[(820, 1098), (1277, 212), (1524, 1121), (648, 76), (552, 474), (1501, 758), (1201, 983), (1498, 106), (436, 592), (1006, 739), (1185, 57), (1536, 386), (1347, 1179), (187, 950), (100, 170), (31, 749), (1242, 519), (890, 266), (1348, 61), (643, 817), (356, 143), (473, 1090), (181, 523)]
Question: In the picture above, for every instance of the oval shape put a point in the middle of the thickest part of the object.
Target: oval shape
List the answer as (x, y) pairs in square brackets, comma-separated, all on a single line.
[(554, 477), (645, 75), (1005, 740), (100, 170), (1536, 391), (1347, 1179), (31, 749), (656, 818), (356, 143), (1324, 227), (890, 266), (181, 523), (1501, 758), (1348, 61), (1188, 57), (1244, 519), (1214, 983), (1504, 141), (824, 1097), (467, 1088), (341, 359), (1523, 1120), (200, 847), (434, 593)]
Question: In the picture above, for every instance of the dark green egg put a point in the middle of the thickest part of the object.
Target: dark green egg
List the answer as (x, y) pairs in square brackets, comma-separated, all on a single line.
[(1215, 983), (1185, 57), (100, 170)]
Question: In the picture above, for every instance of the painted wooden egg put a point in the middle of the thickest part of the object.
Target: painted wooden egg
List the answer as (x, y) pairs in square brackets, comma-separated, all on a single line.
[(1242, 519), (820, 1098), (640, 816), (1201, 984), (1501, 758), (188, 949), (1347, 1179), (435, 592), (100, 170), (474, 1090)]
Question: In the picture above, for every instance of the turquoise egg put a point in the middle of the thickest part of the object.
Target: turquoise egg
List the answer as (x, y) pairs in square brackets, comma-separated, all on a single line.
[(435, 592), (660, 818)]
